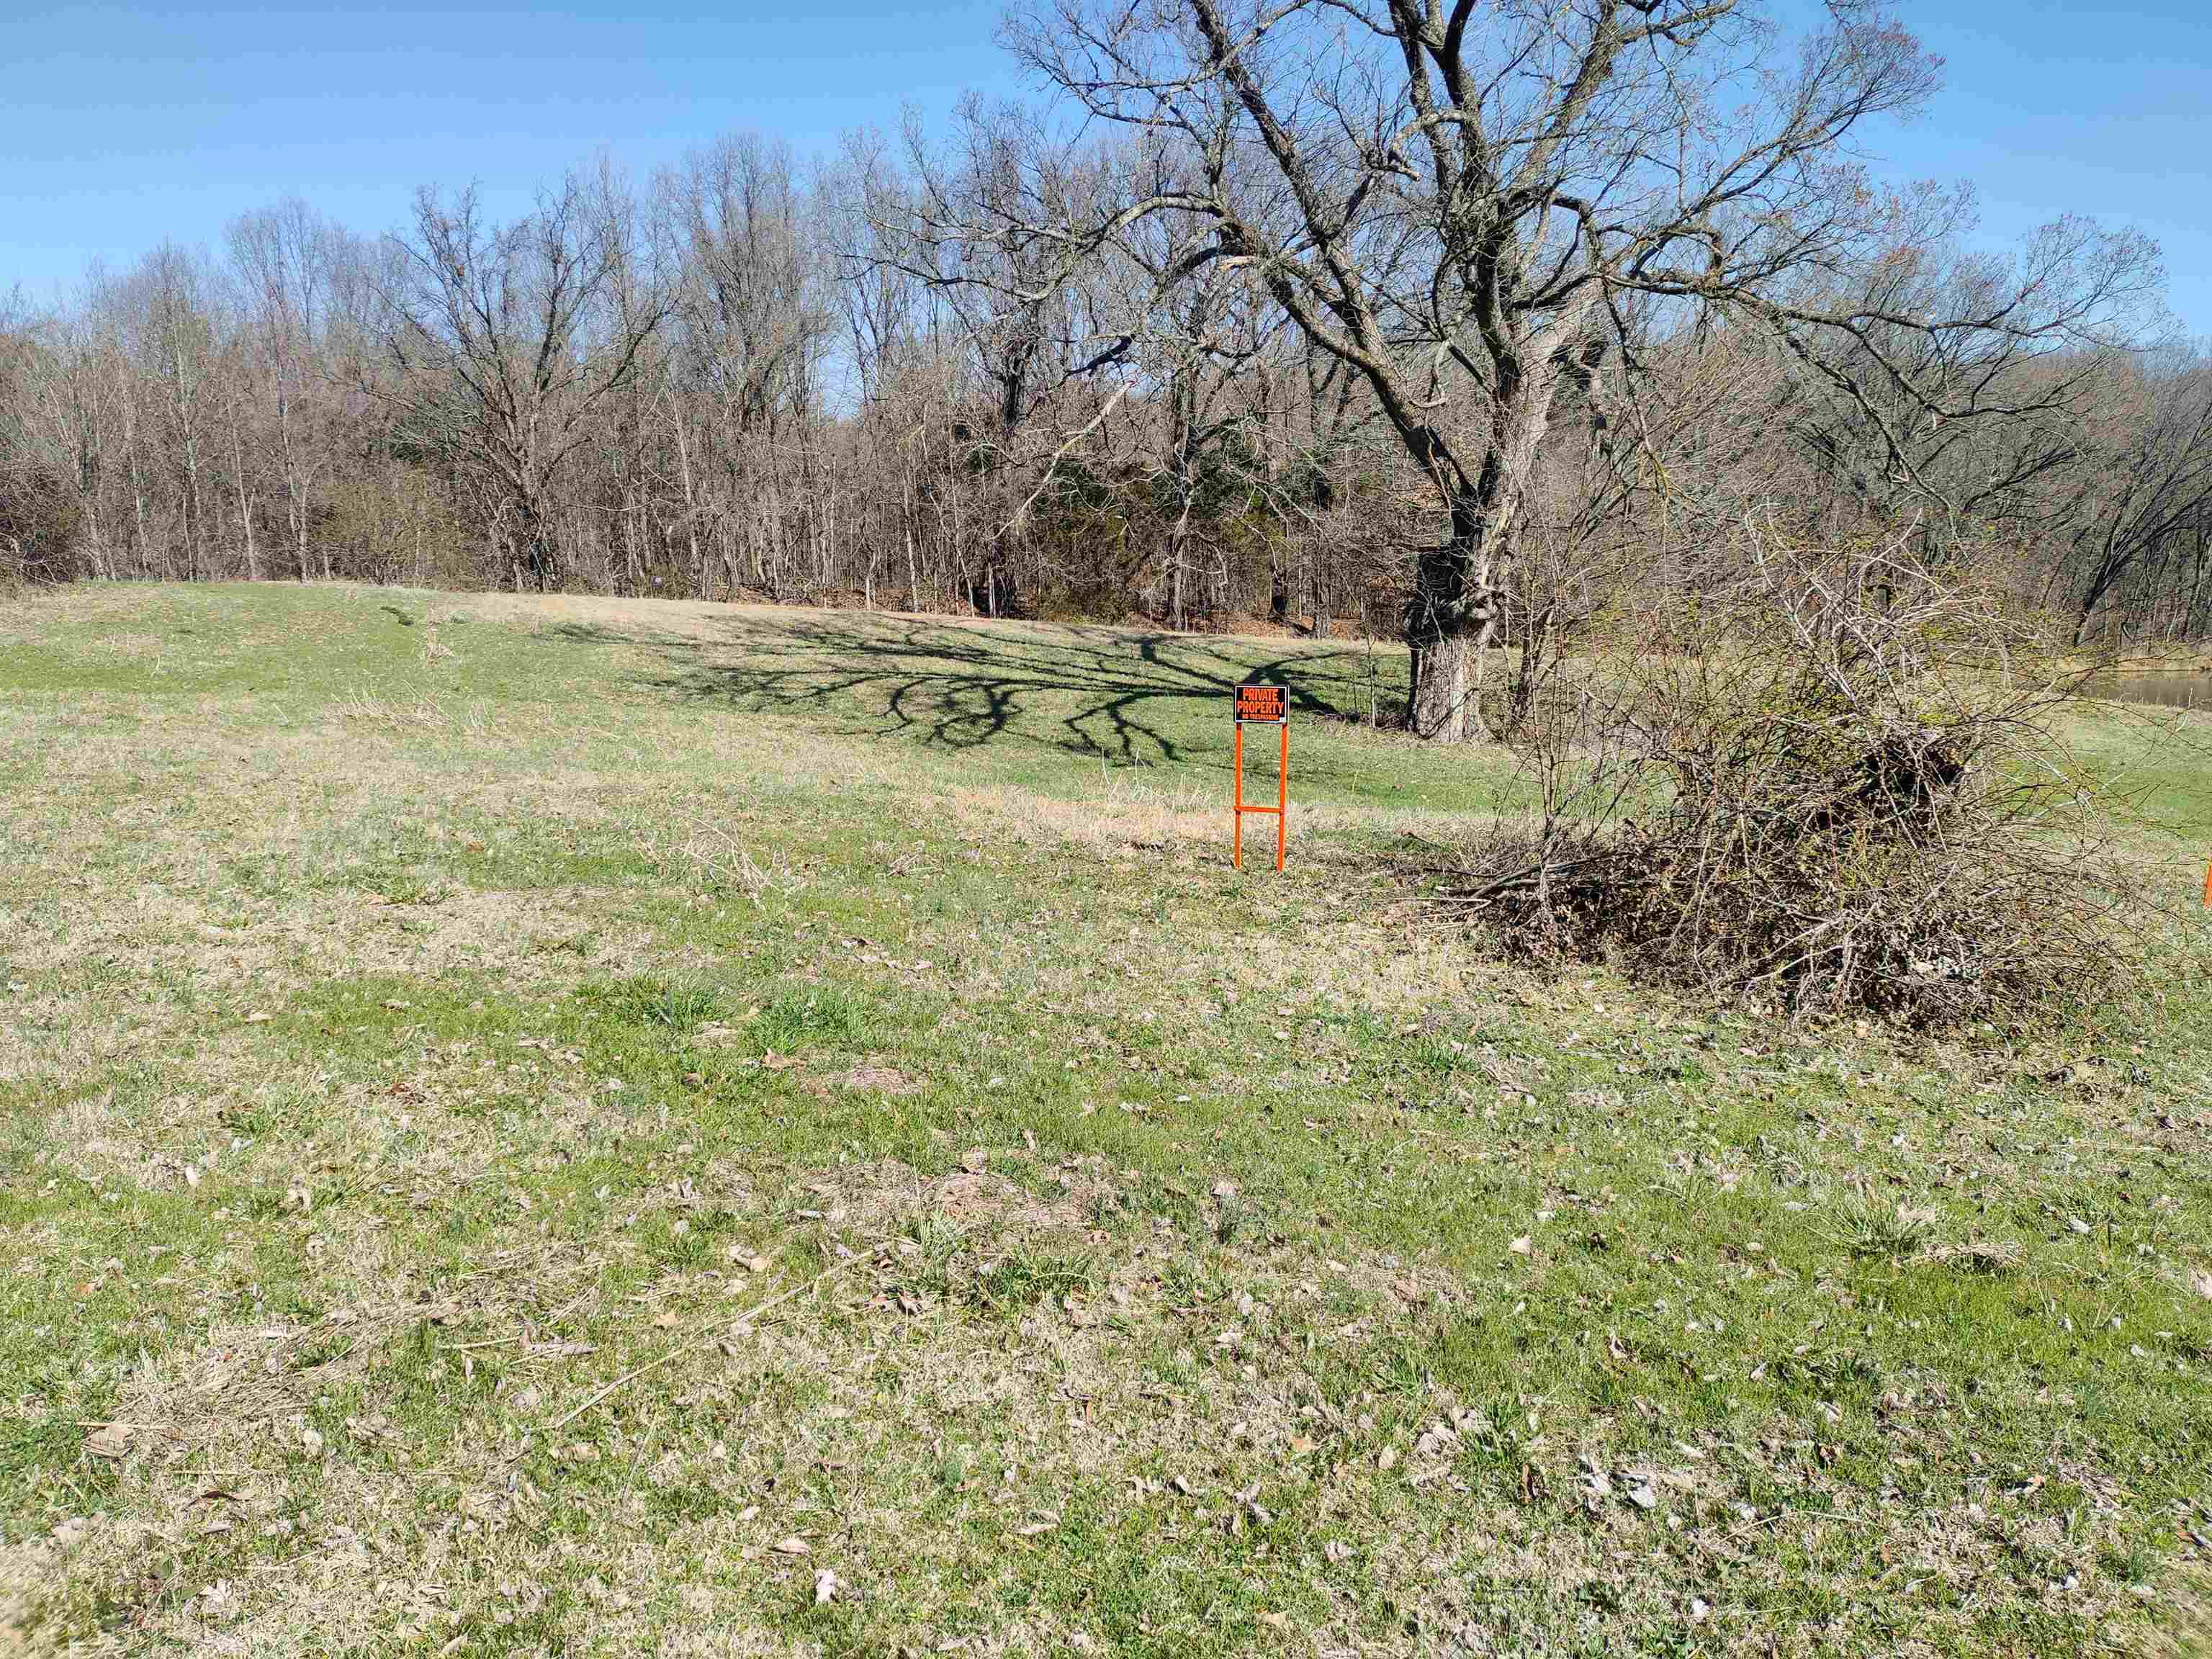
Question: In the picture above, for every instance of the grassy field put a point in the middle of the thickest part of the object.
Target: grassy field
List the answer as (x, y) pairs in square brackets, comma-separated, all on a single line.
[(567, 1126)]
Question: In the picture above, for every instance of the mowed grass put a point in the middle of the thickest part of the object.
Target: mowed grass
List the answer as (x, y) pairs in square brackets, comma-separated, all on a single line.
[(624, 1128)]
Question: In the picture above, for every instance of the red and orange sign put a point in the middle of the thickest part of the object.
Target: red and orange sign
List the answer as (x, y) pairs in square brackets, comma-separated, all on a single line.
[(1263, 705)]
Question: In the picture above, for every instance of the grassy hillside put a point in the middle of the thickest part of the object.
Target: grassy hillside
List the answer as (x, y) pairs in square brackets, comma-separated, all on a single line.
[(574, 1126)]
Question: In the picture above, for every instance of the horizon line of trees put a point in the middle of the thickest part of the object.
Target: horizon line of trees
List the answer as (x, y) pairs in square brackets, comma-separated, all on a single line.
[(724, 387), (1454, 330)]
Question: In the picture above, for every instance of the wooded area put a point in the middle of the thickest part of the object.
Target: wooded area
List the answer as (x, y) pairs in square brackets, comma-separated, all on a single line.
[(1456, 324)]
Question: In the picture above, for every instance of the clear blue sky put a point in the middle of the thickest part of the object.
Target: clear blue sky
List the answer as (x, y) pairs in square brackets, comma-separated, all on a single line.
[(125, 124)]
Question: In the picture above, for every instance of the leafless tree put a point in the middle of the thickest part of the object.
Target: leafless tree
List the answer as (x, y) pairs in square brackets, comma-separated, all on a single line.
[(2152, 488), (1457, 200), (1002, 227), (752, 321), (284, 258), (65, 405), (507, 342), (166, 310), (27, 495)]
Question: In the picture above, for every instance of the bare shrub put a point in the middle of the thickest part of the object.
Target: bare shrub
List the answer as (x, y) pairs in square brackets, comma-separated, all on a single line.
[(1836, 785)]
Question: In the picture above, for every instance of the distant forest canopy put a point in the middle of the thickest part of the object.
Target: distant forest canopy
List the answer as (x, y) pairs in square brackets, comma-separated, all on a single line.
[(1476, 356)]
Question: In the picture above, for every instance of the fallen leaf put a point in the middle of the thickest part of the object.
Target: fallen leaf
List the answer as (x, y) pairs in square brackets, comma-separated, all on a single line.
[(109, 1440), (825, 1587), (1520, 1246), (790, 1546)]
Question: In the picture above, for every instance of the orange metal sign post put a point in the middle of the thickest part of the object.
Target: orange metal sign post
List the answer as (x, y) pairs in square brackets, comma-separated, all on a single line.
[(1263, 705)]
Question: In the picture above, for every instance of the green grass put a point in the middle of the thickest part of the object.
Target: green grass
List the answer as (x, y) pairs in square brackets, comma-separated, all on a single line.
[(514, 1134)]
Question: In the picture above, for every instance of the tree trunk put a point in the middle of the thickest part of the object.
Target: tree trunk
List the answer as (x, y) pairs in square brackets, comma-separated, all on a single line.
[(88, 498), (1458, 590), (1439, 688), (1449, 618), (2089, 602), (245, 503), (1453, 615), (296, 470), (906, 528)]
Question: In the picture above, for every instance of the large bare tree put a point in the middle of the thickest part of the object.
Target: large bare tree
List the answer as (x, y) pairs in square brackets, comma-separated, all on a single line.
[(1456, 198), (507, 340)]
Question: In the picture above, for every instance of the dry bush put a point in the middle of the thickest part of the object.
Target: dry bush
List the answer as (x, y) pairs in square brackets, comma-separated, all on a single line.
[(1837, 786)]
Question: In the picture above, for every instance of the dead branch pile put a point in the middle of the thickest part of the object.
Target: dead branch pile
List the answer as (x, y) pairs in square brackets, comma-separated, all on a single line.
[(1846, 793)]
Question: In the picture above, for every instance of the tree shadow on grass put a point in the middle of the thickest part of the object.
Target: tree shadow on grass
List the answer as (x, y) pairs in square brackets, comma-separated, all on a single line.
[(1112, 692)]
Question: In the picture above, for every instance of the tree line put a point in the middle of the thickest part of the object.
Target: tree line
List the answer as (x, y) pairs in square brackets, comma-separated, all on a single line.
[(1451, 322)]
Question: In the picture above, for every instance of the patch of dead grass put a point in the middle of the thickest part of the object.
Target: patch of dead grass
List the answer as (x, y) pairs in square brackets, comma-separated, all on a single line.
[(876, 1078), (884, 1194)]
